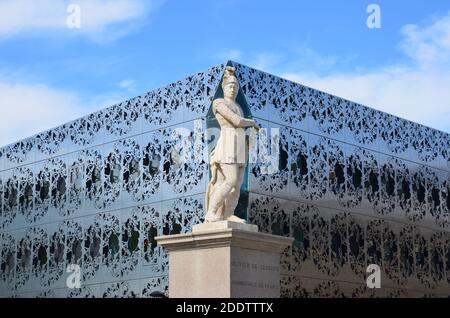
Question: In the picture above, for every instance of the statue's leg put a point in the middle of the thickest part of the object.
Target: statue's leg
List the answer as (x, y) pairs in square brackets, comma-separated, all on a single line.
[(222, 192), (233, 200), (213, 213)]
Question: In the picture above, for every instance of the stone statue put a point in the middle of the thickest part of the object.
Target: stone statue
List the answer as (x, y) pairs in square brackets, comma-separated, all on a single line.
[(229, 157)]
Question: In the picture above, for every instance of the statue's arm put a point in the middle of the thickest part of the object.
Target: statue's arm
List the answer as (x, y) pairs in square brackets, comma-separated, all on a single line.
[(237, 121)]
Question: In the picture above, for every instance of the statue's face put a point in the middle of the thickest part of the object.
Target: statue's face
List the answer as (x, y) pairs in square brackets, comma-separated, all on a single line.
[(230, 90)]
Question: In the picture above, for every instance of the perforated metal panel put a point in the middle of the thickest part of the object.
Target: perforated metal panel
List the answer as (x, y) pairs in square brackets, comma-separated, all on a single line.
[(352, 185)]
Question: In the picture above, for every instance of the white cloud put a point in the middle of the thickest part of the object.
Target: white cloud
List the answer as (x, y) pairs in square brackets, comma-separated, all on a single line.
[(27, 109), (429, 45), (126, 84), (229, 54), (101, 20), (417, 90), (267, 60)]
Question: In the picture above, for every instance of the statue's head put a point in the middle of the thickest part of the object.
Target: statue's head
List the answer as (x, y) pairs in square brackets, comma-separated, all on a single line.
[(230, 83)]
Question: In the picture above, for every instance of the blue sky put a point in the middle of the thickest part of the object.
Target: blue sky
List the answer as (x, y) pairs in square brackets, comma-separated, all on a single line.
[(50, 74)]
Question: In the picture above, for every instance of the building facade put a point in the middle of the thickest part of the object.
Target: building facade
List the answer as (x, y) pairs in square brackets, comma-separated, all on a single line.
[(354, 186)]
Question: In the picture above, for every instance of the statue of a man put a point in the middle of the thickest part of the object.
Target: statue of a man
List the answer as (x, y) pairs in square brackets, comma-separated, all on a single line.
[(229, 158)]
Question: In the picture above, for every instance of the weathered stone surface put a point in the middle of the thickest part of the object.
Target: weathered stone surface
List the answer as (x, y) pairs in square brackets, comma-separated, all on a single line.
[(224, 260)]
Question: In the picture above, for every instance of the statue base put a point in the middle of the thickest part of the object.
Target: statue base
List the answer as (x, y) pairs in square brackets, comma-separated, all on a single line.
[(224, 260)]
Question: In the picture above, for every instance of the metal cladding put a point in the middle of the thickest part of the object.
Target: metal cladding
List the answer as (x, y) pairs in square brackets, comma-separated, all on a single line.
[(354, 186)]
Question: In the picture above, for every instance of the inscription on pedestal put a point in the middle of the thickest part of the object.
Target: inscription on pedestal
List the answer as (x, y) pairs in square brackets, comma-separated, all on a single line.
[(255, 273), (224, 259)]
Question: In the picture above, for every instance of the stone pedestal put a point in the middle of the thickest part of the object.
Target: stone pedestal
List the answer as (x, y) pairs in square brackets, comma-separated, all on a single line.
[(224, 260)]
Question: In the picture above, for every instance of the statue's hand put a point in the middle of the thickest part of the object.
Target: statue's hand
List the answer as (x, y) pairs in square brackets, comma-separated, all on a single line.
[(256, 126)]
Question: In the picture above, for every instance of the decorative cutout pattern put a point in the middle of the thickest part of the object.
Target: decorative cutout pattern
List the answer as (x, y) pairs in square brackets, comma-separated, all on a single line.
[(50, 141), (97, 191)]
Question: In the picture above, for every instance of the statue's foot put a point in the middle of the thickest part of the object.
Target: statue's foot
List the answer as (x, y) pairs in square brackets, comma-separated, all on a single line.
[(212, 217), (236, 219)]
